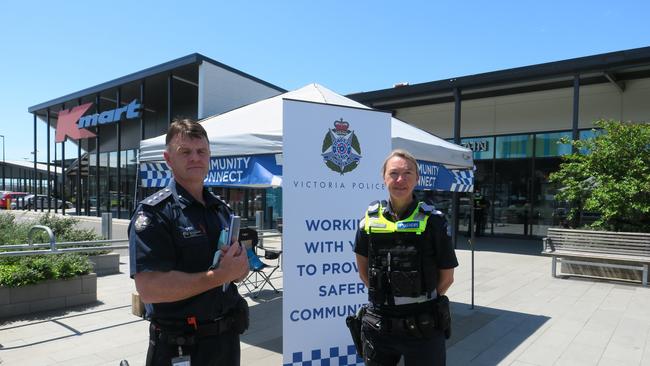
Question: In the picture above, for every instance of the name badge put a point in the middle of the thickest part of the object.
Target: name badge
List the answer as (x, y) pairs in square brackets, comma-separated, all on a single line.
[(408, 225), (190, 232)]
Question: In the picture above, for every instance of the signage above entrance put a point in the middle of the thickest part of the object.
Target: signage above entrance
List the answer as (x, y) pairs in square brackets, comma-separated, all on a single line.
[(114, 115), (70, 118), (477, 145)]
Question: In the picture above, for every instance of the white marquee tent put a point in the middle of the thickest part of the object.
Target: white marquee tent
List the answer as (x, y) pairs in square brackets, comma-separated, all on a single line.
[(256, 130)]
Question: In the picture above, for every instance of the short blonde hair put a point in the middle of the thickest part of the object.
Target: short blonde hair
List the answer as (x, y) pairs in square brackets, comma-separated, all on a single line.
[(400, 153)]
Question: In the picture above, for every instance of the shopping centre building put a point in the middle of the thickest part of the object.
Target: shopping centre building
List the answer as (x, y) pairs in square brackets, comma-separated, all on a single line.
[(512, 120), (106, 122)]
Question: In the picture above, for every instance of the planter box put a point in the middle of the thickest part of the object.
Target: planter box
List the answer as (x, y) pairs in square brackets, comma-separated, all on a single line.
[(48, 295), (105, 264)]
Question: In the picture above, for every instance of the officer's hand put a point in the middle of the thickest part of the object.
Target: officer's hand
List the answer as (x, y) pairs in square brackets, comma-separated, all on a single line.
[(234, 263)]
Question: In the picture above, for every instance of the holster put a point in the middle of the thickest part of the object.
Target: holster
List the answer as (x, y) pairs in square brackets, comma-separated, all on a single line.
[(354, 325), (242, 316), (443, 315)]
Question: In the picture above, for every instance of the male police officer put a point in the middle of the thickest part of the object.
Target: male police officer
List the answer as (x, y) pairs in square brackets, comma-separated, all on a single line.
[(173, 238), (406, 260)]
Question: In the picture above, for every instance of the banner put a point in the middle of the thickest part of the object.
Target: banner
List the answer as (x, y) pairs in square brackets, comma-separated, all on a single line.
[(435, 177), (331, 172), (225, 171)]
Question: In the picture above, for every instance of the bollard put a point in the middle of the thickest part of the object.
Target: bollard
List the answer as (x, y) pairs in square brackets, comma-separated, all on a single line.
[(259, 220), (107, 225)]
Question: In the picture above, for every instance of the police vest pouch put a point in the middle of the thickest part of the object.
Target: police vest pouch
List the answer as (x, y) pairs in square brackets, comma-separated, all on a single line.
[(376, 288), (405, 283), (443, 315)]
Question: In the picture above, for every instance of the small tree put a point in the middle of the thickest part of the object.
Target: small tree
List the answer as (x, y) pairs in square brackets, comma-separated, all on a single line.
[(610, 175)]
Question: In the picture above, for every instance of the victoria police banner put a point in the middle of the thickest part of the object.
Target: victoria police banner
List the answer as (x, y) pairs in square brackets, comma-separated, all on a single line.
[(436, 177), (257, 170), (331, 172)]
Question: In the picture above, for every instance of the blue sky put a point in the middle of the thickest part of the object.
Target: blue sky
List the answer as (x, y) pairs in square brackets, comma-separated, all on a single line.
[(49, 49)]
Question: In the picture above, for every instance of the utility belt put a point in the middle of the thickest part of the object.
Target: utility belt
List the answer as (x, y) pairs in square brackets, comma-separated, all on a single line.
[(434, 317), (188, 332)]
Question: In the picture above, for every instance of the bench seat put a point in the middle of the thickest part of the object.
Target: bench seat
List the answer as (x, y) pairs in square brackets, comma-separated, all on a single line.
[(597, 249)]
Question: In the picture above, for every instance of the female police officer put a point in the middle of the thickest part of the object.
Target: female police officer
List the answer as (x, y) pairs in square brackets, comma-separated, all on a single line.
[(406, 260)]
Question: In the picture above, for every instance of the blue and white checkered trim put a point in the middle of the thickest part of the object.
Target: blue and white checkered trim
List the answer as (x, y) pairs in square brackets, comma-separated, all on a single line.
[(463, 181), (155, 175), (335, 356)]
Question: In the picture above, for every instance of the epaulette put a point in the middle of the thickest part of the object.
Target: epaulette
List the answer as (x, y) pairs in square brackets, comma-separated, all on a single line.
[(157, 197), (429, 209), (426, 208), (222, 202), (373, 207)]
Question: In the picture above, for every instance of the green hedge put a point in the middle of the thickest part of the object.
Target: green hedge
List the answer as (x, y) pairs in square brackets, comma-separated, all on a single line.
[(21, 271), (27, 270)]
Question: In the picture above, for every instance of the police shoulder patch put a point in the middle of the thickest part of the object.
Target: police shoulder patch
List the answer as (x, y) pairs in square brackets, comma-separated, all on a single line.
[(157, 197), (141, 222)]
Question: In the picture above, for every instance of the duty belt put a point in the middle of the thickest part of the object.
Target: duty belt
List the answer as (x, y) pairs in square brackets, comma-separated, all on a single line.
[(177, 332)]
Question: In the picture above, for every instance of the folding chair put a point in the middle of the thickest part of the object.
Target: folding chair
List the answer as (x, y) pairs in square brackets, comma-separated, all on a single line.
[(260, 272)]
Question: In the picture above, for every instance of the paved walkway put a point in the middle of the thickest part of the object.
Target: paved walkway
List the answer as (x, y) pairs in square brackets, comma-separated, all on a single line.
[(522, 316)]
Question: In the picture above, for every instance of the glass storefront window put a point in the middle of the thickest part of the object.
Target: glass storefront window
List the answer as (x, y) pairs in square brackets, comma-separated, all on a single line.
[(548, 144), (518, 146)]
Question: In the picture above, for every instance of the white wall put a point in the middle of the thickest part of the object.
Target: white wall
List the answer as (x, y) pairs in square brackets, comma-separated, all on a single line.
[(537, 111), (221, 90)]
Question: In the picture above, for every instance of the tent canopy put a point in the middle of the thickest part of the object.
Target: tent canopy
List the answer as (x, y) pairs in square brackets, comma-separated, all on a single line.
[(256, 129)]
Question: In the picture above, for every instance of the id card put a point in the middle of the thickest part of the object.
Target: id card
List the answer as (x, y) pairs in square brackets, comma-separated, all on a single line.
[(181, 361)]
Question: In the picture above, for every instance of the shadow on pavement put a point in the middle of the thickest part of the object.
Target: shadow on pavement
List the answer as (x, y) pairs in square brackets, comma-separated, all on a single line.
[(44, 316), (487, 335), (265, 329), (502, 245)]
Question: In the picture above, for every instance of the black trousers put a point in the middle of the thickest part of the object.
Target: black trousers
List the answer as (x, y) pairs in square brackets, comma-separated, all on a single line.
[(222, 350), (386, 349)]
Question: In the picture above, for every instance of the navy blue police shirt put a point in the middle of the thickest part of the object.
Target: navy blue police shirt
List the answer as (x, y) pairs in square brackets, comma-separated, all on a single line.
[(170, 230)]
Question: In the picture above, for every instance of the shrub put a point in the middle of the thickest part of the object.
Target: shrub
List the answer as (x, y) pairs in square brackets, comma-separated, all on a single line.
[(612, 178), (25, 270), (34, 269)]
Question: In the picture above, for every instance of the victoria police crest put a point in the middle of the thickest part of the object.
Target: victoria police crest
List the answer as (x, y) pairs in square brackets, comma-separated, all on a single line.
[(341, 149)]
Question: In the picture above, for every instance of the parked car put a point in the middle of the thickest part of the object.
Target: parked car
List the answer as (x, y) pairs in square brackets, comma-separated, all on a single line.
[(43, 202), (8, 199)]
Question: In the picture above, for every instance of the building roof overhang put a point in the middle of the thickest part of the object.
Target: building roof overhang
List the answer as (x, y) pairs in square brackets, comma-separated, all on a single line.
[(167, 67), (613, 67)]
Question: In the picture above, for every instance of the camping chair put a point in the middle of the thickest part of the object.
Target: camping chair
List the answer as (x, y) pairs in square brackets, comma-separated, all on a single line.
[(260, 272)]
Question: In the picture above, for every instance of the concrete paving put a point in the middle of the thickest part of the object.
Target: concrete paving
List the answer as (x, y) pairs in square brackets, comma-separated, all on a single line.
[(522, 316)]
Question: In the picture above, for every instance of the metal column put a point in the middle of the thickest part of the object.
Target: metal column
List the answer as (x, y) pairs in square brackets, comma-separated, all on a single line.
[(170, 93), (35, 158), (118, 130), (454, 195), (79, 197), (49, 191), (576, 108), (98, 201)]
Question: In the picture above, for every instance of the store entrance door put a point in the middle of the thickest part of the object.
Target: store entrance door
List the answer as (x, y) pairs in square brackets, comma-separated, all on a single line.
[(512, 197)]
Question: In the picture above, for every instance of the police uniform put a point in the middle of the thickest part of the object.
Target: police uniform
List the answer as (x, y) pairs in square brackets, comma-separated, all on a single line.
[(404, 256), (170, 230)]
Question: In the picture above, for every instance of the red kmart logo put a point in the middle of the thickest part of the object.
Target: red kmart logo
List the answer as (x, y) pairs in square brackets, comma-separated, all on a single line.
[(72, 122)]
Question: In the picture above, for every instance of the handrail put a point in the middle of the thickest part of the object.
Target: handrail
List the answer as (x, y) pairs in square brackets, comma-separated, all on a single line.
[(61, 251), (47, 230), (68, 247), (64, 243)]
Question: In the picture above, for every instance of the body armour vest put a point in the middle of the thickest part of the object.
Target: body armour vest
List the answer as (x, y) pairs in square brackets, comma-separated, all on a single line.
[(401, 258)]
